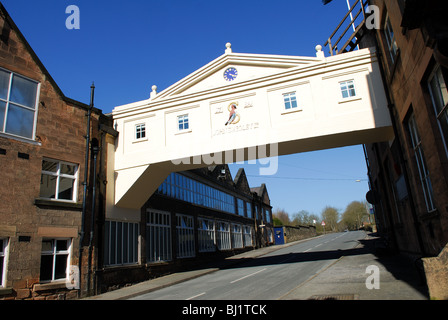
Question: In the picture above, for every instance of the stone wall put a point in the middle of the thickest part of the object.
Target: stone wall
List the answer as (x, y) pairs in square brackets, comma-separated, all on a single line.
[(295, 233), (436, 271)]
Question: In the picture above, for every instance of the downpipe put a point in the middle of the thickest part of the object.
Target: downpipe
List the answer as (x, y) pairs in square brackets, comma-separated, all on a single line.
[(95, 149), (86, 173)]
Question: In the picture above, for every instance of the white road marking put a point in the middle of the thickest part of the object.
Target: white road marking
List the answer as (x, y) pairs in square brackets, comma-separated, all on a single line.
[(198, 295), (249, 275)]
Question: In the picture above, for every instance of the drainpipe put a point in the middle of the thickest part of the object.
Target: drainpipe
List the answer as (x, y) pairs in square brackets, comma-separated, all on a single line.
[(95, 149), (86, 169)]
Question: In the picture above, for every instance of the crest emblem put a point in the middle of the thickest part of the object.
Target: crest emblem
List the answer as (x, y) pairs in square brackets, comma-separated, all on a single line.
[(234, 116)]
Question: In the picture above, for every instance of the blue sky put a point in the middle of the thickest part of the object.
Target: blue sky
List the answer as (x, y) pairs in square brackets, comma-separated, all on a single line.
[(125, 47)]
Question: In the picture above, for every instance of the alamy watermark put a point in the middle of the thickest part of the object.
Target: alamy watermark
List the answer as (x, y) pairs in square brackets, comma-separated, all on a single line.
[(373, 280), (73, 21), (72, 281), (266, 156), (373, 18)]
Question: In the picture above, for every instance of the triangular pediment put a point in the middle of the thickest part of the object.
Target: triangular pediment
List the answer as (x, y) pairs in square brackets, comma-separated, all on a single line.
[(248, 67)]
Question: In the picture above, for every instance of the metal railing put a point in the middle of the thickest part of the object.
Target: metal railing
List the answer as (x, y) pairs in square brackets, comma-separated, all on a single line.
[(350, 20)]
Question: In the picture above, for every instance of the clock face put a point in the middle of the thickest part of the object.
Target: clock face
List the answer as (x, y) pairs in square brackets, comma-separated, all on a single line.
[(230, 74)]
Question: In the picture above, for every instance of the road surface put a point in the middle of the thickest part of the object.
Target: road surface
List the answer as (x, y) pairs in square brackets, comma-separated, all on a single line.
[(268, 277)]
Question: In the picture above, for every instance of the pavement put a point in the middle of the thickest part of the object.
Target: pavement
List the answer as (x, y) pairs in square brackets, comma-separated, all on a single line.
[(398, 278)]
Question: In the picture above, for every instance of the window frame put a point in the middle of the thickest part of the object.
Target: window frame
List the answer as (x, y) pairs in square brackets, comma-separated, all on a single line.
[(248, 209), (54, 253), (291, 99), (128, 249), (182, 118), (443, 112), (240, 203), (347, 89), (7, 102), (60, 175), (391, 41), (248, 236), (185, 231), (206, 235), (416, 145), (223, 235), (4, 249), (266, 215), (237, 236), (159, 223), (140, 129)]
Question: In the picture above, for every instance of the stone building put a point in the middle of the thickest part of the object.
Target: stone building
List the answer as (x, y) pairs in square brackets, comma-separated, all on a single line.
[(42, 170), (409, 173), (195, 217)]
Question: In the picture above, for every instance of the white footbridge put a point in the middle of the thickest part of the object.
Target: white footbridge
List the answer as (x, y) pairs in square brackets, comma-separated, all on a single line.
[(244, 107)]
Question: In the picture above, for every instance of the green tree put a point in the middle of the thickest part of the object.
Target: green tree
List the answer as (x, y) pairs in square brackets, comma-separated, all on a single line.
[(304, 218), (355, 214), (280, 217), (331, 217), (300, 217)]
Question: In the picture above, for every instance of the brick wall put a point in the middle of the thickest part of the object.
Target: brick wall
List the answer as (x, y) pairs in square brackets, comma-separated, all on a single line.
[(60, 135), (405, 220)]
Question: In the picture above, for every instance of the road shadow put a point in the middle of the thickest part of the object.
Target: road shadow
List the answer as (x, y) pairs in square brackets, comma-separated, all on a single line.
[(401, 267)]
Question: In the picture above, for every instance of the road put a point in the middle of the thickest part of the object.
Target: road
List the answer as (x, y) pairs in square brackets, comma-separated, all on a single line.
[(268, 277)]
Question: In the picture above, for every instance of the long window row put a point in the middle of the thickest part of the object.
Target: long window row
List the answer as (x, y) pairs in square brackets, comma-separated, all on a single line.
[(223, 235), (186, 189), (212, 235), (121, 238), (183, 188)]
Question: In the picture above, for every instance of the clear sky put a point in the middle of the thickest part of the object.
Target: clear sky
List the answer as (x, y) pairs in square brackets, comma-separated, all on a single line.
[(125, 47)]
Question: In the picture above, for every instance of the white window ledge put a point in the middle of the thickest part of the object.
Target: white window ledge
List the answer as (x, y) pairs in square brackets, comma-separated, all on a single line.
[(140, 140), (292, 111), (184, 131), (346, 100)]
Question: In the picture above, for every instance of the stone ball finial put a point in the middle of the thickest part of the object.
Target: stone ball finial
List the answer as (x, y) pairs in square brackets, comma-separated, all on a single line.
[(229, 47), (319, 53), (154, 92)]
